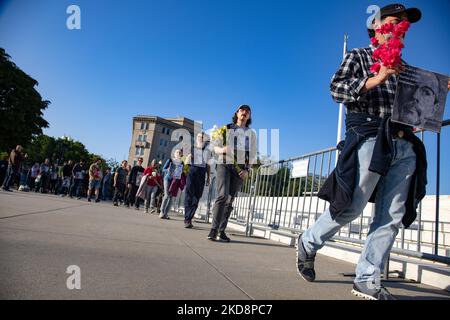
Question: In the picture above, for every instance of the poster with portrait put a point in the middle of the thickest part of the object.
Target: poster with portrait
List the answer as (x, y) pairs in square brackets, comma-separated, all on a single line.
[(420, 98)]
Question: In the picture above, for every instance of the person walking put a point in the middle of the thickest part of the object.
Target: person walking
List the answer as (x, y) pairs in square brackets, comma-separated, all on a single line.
[(119, 182), (66, 178), (106, 185), (154, 182), (78, 172), (53, 174), (134, 180), (15, 160), (33, 175), (173, 181), (199, 169), (95, 178), (44, 181), (381, 161), (234, 162)]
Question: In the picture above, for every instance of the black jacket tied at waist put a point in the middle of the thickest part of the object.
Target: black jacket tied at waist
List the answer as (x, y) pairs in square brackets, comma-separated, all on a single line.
[(338, 188)]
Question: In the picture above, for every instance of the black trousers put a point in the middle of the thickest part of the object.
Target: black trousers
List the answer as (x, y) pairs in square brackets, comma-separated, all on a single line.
[(131, 196), (194, 189), (228, 184), (119, 192)]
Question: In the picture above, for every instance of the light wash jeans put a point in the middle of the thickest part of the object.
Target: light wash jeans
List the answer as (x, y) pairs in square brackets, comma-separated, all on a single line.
[(167, 200), (150, 193), (390, 201)]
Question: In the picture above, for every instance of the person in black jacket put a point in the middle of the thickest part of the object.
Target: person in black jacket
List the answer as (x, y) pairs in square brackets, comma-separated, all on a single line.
[(78, 173), (66, 178), (379, 160), (134, 179)]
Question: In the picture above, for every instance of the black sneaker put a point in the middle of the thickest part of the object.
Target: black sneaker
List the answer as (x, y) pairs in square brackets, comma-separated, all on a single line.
[(89, 199), (305, 262), (97, 200), (115, 204), (368, 291), (188, 225), (223, 237), (212, 235)]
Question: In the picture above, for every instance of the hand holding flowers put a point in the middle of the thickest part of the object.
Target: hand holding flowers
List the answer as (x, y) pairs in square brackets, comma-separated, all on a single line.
[(389, 53)]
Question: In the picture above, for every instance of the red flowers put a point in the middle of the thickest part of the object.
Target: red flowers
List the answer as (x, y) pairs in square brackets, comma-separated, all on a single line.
[(389, 54)]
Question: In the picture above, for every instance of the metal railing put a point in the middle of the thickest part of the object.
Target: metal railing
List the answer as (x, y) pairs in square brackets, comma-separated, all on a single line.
[(277, 197)]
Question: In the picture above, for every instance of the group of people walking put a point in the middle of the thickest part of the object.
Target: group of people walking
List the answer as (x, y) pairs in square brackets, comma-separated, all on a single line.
[(156, 185)]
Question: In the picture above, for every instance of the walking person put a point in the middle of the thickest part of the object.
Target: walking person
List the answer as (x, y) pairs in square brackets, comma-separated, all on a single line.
[(173, 182), (44, 181), (106, 185), (53, 175), (78, 177), (199, 169), (66, 178), (95, 178), (134, 180), (235, 161), (15, 160), (119, 182), (380, 160), (33, 175), (150, 186)]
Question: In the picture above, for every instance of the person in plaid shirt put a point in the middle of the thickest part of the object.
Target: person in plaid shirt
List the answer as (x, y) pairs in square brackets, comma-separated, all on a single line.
[(372, 141)]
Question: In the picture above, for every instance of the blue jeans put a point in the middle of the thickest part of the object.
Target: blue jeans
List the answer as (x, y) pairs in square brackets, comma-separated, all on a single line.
[(167, 200), (150, 196), (392, 192), (11, 175)]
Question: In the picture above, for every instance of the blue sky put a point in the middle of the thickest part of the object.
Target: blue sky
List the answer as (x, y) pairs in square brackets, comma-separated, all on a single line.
[(202, 58)]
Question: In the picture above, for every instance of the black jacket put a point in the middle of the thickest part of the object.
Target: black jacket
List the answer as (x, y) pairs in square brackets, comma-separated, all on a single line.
[(133, 174), (338, 188)]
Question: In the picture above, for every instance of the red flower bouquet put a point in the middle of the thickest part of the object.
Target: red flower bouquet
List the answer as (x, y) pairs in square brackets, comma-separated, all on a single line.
[(389, 53)]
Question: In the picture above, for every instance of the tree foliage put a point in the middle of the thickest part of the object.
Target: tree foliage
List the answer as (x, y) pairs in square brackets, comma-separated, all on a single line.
[(59, 150), (21, 106)]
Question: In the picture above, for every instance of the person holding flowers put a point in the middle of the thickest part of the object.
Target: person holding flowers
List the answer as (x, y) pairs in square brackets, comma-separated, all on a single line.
[(380, 161), (235, 146)]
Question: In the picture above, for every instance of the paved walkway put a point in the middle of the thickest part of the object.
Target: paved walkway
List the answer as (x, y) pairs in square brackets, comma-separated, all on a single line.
[(126, 254)]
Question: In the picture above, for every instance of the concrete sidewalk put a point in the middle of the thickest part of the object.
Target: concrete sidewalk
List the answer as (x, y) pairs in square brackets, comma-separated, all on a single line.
[(126, 254)]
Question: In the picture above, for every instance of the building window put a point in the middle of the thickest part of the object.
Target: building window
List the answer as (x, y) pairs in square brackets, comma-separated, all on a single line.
[(142, 151), (144, 138), (161, 142), (168, 131), (165, 143), (164, 130), (146, 126), (142, 125), (140, 137), (137, 151)]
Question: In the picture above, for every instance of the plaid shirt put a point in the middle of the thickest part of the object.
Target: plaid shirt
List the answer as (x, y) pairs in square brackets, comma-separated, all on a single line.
[(349, 80)]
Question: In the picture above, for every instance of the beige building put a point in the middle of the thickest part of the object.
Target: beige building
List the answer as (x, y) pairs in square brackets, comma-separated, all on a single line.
[(151, 137)]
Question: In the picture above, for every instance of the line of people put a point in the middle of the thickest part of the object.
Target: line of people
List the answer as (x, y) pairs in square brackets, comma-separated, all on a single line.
[(155, 186)]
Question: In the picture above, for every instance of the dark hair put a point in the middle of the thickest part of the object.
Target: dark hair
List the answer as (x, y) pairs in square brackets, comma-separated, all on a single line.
[(249, 121)]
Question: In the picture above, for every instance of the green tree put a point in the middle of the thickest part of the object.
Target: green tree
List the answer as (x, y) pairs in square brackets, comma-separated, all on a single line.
[(59, 150), (21, 106)]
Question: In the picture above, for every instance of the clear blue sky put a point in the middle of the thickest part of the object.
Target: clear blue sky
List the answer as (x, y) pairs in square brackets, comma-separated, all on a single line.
[(202, 58)]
